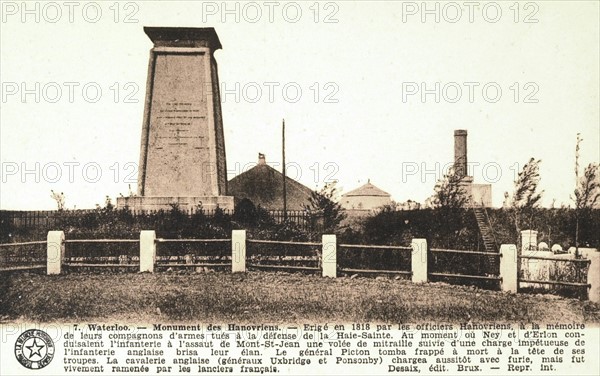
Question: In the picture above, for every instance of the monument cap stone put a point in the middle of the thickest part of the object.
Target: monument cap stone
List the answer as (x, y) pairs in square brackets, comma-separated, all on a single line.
[(184, 37)]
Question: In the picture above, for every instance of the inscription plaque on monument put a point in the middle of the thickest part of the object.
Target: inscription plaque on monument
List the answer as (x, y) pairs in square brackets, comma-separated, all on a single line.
[(182, 157)]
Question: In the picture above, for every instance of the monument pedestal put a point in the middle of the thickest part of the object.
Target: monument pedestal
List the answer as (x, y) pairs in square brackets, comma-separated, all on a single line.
[(479, 194), (165, 203), (182, 153)]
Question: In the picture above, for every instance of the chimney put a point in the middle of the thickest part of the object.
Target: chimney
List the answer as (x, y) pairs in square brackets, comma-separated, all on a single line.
[(261, 159), (460, 152)]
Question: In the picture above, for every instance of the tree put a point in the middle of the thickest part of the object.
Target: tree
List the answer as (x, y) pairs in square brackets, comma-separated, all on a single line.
[(60, 199), (587, 191), (587, 198), (450, 192), (525, 196), (449, 202), (323, 203), (587, 194)]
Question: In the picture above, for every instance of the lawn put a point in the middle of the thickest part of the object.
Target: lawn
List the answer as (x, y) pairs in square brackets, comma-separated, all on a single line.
[(266, 297)]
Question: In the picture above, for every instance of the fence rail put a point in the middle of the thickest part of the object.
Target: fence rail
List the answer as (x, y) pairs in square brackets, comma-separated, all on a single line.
[(376, 271), (283, 242), (18, 268), (6, 245), (95, 265), (364, 246), (102, 241), (161, 240), (558, 283), (482, 277), (465, 252), (284, 267), (585, 261), (196, 264)]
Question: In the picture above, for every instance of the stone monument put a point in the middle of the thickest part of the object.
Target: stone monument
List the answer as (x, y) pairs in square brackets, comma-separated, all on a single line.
[(182, 156)]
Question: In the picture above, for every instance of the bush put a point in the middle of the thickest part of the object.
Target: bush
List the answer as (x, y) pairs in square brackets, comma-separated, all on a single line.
[(443, 228)]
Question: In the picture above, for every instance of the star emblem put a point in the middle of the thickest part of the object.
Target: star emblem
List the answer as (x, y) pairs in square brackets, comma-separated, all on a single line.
[(38, 348), (41, 349)]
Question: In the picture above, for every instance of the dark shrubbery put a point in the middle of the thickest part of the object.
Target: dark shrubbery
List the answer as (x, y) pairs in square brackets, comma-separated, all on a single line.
[(457, 228), (443, 228), (447, 228), (554, 226)]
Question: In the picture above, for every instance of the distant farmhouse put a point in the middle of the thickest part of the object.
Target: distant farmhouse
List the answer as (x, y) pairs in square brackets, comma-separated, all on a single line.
[(263, 185), (365, 199)]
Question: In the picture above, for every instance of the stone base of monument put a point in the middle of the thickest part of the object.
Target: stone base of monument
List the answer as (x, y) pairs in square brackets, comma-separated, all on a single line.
[(184, 203)]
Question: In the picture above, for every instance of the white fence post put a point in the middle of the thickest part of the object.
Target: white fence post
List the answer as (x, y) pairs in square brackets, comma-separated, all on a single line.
[(528, 241), (419, 260), (329, 256), (238, 251), (509, 267), (593, 277), (147, 251), (55, 252)]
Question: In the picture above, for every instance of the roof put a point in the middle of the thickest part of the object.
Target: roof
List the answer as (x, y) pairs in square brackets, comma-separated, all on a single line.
[(367, 190), (263, 185)]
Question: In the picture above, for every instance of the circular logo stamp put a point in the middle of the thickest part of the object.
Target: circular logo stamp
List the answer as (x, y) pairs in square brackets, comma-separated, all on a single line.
[(34, 349)]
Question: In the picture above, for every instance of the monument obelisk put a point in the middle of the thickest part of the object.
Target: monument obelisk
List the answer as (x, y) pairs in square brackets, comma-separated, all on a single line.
[(182, 156)]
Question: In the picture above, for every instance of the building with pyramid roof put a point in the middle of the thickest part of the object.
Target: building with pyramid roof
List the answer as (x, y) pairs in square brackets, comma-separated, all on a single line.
[(365, 198)]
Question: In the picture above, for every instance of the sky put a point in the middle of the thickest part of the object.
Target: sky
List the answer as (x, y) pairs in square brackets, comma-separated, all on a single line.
[(368, 90)]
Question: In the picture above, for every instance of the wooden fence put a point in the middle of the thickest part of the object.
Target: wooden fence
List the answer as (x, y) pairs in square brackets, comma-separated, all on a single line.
[(238, 254)]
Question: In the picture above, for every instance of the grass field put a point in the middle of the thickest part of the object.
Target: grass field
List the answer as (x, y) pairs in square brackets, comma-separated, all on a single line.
[(264, 297)]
